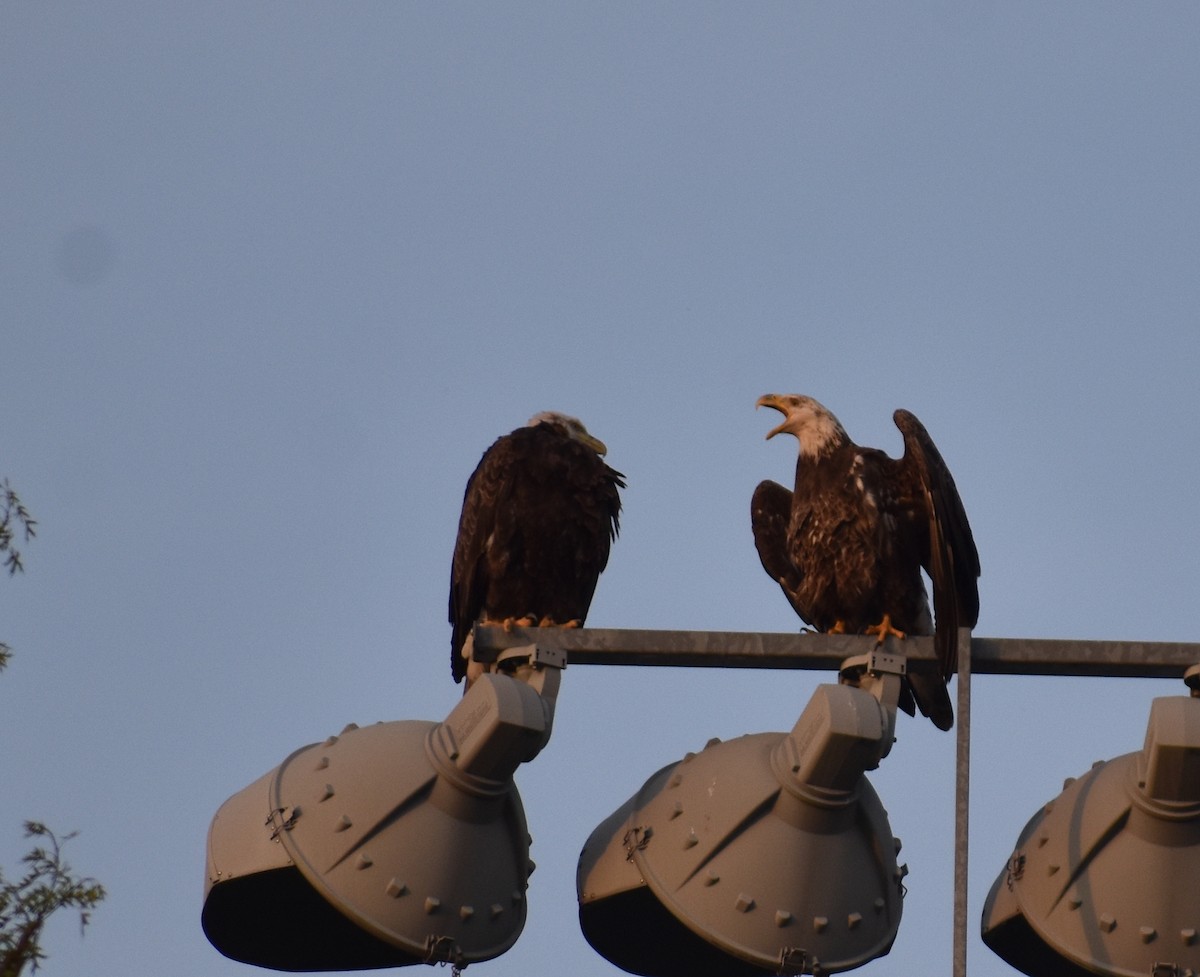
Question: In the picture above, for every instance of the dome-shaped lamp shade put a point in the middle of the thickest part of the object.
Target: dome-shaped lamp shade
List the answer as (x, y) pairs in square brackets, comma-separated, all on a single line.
[(768, 854), (394, 844), (1105, 879)]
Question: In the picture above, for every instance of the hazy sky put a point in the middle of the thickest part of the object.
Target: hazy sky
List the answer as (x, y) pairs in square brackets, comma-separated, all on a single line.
[(272, 276)]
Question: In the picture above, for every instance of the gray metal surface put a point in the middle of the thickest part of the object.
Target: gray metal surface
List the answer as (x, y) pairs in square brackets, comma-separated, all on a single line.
[(396, 849), (329, 817), (772, 849), (1103, 879), (962, 802), (977, 655), (752, 649), (393, 844)]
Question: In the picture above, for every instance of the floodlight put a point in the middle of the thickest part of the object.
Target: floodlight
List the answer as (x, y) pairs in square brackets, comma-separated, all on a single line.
[(387, 845), (767, 854), (1103, 879)]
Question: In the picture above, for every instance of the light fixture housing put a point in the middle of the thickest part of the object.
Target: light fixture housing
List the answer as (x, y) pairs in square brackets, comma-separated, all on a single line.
[(387, 845), (767, 854), (1103, 879)]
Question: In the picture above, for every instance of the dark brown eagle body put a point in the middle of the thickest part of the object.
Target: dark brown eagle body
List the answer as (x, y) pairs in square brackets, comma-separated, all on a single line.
[(539, 515), (848, 544)]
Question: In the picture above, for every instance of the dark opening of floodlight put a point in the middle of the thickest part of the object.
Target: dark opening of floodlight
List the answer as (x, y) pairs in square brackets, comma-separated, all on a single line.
[(1103, 879), (768, 854), (276, 919), (387, 845)]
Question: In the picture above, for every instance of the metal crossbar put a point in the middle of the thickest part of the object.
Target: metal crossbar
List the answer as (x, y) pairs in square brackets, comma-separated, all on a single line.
[(752, 649)]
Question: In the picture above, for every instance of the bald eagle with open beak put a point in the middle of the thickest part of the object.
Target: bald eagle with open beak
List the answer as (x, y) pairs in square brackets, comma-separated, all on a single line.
[(847, 544), (539, 515)]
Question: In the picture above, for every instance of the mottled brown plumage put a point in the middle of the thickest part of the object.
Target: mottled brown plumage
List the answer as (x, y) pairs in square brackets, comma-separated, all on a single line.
[(848, 543), (539, 515)]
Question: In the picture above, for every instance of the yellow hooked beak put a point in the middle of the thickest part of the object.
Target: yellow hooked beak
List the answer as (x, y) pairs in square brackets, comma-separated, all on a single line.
[(773, 400)]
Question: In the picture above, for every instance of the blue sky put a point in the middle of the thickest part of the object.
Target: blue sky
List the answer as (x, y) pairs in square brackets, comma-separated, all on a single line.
[(272, 276)]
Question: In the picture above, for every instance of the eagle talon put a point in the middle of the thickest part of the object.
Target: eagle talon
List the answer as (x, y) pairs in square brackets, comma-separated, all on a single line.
[(549, 622), (839, 627), (509, 623), (884, 630)]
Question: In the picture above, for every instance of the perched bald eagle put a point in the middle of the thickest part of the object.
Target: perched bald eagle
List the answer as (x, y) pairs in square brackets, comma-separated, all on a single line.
[(539, 514), (848, 544)]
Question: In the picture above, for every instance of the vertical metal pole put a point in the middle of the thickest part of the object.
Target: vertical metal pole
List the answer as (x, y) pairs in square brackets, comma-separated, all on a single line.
[(962, 792)]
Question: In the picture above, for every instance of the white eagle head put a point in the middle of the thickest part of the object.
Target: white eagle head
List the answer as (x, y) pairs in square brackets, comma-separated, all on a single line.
[(813, 424), (572, 427)]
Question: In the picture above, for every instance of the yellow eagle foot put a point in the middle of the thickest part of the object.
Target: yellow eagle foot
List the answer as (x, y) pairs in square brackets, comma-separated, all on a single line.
[(884, 630), (509, 623), (549, 622)]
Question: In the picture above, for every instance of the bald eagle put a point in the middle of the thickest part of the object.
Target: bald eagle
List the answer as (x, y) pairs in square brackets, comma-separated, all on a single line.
[(539, 514), (848, 544)]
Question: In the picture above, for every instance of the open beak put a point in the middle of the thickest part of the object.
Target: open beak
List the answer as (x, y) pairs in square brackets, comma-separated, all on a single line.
[(772, 400)]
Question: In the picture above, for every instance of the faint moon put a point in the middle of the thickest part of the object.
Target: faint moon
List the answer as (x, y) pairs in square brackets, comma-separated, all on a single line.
[(85, 255)]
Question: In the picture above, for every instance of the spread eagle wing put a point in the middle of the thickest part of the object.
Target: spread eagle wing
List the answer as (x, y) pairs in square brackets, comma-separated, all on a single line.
[(951, 559), (770, 514)]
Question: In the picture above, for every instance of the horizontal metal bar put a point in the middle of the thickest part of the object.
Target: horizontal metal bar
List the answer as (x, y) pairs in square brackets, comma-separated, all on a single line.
[(752, 649)]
